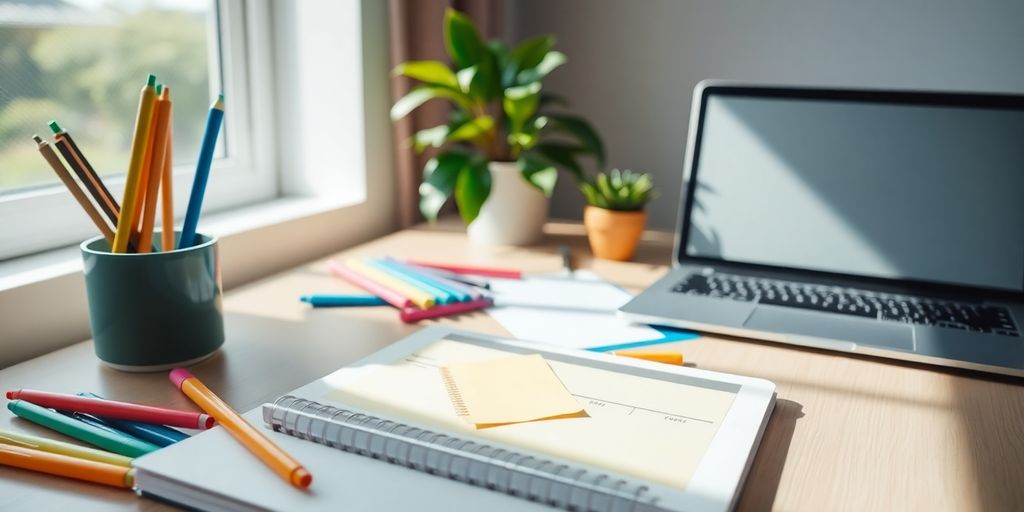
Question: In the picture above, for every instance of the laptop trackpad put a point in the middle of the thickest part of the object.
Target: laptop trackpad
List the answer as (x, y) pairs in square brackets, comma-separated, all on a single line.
[(836, 327)]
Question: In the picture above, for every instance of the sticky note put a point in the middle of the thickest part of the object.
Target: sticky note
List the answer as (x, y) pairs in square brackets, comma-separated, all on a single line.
[(508, 390)]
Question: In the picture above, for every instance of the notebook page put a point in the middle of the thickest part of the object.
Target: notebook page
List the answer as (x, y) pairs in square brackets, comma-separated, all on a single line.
[(638, 426)]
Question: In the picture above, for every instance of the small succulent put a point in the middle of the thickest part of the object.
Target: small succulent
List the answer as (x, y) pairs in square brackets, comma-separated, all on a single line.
[(619, 190)]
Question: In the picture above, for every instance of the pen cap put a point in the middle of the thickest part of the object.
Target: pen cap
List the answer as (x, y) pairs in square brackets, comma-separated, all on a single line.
[(178, 375)]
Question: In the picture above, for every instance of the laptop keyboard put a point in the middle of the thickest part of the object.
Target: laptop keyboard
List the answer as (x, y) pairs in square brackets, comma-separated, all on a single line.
[(846, 301)]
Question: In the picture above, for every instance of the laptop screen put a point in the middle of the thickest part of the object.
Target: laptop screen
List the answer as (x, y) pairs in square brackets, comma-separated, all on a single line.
[(910, 191)]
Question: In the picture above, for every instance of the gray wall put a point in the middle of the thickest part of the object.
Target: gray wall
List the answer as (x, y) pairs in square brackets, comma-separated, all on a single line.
[(633, 64)]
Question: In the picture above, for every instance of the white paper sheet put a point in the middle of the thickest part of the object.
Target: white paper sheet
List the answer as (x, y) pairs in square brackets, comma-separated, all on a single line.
[(574, 312)]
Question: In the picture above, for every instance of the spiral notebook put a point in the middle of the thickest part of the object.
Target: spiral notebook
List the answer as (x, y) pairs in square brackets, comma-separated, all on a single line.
[(382, 434)]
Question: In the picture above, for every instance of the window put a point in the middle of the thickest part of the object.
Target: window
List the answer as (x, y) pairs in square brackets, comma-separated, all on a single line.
[(82, 63)]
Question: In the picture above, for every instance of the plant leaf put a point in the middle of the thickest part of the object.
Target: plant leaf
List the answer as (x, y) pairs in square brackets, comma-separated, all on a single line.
[(472, 187), (429, 71), (539, 173), (439, 178), (422, 94), (472, 130), (520, 103), (462, 40), (531, 52), (551, 61), (562, 155), (430, 137), (582, 131)]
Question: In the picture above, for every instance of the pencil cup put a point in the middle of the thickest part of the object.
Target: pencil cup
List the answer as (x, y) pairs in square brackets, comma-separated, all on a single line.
[(156, 310)]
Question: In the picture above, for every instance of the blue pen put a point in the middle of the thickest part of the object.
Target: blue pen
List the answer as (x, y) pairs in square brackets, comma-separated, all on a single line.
[(440, 296), (156, 434), (195, 201), (326, 301), (459, 294)]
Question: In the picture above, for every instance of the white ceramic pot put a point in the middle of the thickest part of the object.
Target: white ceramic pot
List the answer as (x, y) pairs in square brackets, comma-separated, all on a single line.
[(514, 213)]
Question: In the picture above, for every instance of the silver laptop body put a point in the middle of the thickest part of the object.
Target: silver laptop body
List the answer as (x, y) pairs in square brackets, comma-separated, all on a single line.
[(877, 222)]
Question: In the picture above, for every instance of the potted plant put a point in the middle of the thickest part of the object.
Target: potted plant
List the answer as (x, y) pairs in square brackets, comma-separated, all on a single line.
[(614, 216), (495, 154)]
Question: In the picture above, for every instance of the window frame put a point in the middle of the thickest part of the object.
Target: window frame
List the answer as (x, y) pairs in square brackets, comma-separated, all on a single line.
[(43, 218)]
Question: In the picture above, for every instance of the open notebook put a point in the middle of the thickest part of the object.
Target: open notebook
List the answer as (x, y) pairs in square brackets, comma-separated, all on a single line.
[(654, 437)]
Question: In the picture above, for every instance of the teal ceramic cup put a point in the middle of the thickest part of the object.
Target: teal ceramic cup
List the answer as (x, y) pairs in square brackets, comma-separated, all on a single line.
[(157, 310)]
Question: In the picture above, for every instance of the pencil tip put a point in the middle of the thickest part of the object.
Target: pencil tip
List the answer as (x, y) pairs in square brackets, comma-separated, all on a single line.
[(159, 88), (55, 127), (151, 80), (37, 138)]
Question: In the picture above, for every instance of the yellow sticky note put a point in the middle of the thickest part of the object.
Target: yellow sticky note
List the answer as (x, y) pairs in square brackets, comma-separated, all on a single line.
[(512, 389)]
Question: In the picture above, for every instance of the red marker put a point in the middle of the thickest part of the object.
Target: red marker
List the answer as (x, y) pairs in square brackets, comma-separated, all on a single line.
[(476, 271), (115, 410)]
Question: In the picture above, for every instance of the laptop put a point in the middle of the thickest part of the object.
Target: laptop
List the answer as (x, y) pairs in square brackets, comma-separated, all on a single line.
[(877, 222)]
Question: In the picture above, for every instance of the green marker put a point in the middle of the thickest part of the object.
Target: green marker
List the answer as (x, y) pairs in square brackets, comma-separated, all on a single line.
[(110, 441)]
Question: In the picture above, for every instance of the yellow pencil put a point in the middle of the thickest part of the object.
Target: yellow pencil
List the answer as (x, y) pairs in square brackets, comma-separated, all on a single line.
[(167, 186), (143, 120), (71, 450), (156, 167), (415, 295)]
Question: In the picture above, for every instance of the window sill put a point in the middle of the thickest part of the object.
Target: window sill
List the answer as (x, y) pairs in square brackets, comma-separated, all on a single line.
[(56, 263), (301, 228)]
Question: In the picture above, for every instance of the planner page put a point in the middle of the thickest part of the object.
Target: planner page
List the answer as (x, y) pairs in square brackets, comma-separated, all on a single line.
[(638, 426)]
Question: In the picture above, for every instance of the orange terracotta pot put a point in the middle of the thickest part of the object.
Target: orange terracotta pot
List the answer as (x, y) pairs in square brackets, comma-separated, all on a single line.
[(613, 234)]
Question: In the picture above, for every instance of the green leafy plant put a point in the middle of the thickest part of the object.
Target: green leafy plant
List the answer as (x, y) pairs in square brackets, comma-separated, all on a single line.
[(499, 114), (619, 190)]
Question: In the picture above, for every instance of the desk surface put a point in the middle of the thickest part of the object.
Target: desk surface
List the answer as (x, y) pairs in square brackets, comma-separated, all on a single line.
[(848, 433)]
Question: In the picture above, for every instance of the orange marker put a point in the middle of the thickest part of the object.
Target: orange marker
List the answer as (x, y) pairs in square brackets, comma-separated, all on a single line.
[(167, 242), (67, 466), (675, 358), (257, 443), (160, 127)]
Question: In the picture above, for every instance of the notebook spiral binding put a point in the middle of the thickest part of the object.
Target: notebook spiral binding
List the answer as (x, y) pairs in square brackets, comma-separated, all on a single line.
[(555, 484)]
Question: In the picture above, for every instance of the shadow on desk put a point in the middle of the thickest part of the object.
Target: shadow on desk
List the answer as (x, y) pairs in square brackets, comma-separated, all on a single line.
[(766, 472)]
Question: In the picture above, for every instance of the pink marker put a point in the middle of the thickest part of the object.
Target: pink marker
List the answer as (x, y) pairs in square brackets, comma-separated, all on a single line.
[(414, 314)]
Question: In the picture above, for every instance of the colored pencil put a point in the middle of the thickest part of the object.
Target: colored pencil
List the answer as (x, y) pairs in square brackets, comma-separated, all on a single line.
[(257, 443), (156, 168), (195, 200), (409, 315), (102, 438), (167, 187), (88, 176), (675, 358), (112, 409), (58, 167), (471, 270), (457, 291), (328, 301), (388, 295), (477, 282), (156, 434), (143, 120), (144, 177), (71, 450), (67, 466), (440, 296), (417, 296)]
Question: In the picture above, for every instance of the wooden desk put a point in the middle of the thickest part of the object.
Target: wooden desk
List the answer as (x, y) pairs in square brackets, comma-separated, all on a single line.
[(849, 433)]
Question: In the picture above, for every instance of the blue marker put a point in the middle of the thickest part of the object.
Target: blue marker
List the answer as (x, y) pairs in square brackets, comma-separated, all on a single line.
[(440, 296), (327, 301), (156, 434), (195, 201), (425, 279)]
